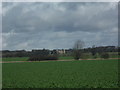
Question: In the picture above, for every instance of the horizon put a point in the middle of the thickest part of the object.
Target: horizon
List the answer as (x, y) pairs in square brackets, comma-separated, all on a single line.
[(56, 48)]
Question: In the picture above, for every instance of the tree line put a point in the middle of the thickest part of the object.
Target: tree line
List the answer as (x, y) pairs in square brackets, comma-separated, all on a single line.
[(69, 52)]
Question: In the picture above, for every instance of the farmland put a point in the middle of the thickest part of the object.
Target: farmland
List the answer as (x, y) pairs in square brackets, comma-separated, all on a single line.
[(61, 74)]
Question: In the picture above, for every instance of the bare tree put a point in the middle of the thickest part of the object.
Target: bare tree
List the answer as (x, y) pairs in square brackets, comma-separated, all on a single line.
[(79, 44)]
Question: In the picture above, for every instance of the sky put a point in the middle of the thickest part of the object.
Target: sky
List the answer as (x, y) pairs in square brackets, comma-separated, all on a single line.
[(57, 25)]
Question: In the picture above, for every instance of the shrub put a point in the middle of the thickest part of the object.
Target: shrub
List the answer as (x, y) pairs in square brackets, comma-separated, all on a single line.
[(105, 55), (96, 56), (85, 55), (77, 54), (119, 53), (43, 57)]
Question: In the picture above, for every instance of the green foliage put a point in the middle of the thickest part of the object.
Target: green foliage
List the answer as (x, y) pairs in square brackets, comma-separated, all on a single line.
[(58, 74), (77, 54), (114, 54), (96, 56), (105, 55), (85, 56), (43, 57), (119, 53)]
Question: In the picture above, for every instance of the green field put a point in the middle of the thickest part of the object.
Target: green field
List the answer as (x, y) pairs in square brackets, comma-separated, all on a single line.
[(61, 74)]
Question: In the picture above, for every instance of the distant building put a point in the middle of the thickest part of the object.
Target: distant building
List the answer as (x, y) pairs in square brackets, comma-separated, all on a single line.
[(61, 51)]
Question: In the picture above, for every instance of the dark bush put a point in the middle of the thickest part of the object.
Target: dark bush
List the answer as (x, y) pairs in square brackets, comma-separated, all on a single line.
[(119, 53), (77, 54), (105, 55), (43, 57)]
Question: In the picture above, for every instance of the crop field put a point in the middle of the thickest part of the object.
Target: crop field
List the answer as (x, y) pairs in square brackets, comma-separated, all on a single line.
[(61, 74)]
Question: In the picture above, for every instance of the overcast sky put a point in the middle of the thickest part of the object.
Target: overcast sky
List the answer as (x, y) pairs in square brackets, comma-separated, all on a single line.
[(58, 25)]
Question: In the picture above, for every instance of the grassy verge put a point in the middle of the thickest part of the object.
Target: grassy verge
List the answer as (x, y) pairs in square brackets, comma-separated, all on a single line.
[(15, 59), (65, 58)]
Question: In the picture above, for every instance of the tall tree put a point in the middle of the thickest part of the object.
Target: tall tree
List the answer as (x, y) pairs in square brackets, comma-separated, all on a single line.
[(79, 44)]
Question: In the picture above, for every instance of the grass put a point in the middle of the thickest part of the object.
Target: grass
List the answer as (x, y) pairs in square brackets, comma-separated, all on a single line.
[(15, 58), (61, 74), (65, 58)]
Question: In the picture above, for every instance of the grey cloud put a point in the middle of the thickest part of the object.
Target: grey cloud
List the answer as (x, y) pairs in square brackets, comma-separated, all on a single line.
[(44, 16), (49, 24)]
